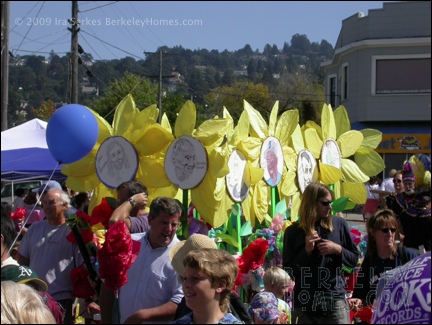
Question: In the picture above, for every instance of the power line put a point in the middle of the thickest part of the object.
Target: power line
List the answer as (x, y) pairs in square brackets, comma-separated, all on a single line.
[(116, 47), (91, 9)]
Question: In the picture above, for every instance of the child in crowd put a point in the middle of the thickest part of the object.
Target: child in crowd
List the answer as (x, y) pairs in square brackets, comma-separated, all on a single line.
[(264, 309), (278, 282), (208, 279)]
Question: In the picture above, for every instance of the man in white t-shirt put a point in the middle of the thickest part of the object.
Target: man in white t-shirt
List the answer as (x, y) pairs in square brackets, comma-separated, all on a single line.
[(387, 184)]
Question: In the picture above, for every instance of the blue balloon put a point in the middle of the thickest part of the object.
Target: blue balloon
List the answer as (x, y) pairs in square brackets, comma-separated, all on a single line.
[(71, 133)]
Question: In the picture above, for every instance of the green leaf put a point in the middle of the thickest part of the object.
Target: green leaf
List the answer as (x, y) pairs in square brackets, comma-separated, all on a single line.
[(228, 239), (112, 202), (340, 204), (246, 229)]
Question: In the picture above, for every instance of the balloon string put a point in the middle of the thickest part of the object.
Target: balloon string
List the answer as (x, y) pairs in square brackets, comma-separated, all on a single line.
[(32, 210)]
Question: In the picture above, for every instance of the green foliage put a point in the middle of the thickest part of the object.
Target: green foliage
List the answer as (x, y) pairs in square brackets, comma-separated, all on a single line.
[(45, 111), (143, 92), (34, 80), (232, 98)]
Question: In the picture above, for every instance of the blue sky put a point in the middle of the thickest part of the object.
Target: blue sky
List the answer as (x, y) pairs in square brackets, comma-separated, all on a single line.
[(114, 30)]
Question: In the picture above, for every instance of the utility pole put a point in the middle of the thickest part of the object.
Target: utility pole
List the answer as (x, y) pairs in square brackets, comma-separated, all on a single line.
[(160, 77), (160, 87), (5, 12), (74, 54)]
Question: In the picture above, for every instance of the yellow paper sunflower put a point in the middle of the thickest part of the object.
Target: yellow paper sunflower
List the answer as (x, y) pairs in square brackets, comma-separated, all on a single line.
[(150, 141), (209, 196), (358, 158), (283, 129)]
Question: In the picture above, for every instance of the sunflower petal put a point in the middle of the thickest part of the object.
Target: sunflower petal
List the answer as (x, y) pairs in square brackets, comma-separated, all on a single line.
[(82, 167), (273, 119), (165, 123), (251, 148), (328, 124), (313, 142), (260, 201), (211, 133), (342, 121), (349, 142), (142, 121), (352, 173), (185, 121), (257, 122), (369, 162), (218, 165), (356, 192), (288, 184), (286, 125), (83, 183), (124, 115), (295, 206), (329, 174), (154, 139), (297, 139), (152, 173), (372, 138)]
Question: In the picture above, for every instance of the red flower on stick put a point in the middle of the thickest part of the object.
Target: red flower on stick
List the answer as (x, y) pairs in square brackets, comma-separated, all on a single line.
[(102, 213), (19, 214), (117, 255)]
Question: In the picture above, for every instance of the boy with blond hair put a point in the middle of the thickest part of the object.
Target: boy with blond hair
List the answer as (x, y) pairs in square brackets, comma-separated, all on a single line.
[(278, 282), (208, 279)]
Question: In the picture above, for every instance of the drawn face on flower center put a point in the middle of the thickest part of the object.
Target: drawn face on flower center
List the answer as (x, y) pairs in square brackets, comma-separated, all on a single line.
[(116, 156), (184, 158), (272, 162)]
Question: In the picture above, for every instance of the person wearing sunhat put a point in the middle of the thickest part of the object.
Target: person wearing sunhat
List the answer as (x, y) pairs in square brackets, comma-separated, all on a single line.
[(177, 255)]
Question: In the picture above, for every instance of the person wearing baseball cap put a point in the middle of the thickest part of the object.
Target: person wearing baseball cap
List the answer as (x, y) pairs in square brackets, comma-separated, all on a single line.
[(23, 274), (47, 186)]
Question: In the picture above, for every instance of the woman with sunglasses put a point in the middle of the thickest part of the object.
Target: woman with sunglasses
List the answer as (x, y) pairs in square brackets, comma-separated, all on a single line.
[(383, 254), (388, 201), (314, 250)]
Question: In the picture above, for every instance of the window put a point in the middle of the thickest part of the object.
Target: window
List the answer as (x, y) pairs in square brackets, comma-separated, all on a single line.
[(401, 75), (345, 81), (332, 90)]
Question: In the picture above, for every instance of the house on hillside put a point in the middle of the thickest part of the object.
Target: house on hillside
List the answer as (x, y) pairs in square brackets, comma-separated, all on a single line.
[(381, 73)]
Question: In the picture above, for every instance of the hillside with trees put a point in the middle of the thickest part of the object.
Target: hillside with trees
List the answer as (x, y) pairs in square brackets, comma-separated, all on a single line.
[(211, 79)]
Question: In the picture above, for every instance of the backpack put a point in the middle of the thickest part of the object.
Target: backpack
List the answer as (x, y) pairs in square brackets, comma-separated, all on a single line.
[(56, 309)]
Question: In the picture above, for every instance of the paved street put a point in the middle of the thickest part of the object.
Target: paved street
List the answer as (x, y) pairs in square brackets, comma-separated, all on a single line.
[(355, 219)]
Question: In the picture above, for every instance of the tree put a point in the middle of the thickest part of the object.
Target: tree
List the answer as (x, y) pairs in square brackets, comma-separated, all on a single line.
[(232, 98), (45, 111), (300, 90), (326, 49), (143, 92), (300, 44)]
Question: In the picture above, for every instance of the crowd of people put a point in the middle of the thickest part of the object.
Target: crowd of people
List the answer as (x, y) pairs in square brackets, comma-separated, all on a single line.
[(192, 281)]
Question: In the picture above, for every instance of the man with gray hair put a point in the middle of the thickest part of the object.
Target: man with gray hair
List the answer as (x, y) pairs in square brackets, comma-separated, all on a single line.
[(46, 250)]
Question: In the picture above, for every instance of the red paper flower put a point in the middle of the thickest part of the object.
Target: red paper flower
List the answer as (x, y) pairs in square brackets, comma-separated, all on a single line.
[(116, 255), (253, 256), (102, 213), (86, 234), (81, 284), (19, 214)]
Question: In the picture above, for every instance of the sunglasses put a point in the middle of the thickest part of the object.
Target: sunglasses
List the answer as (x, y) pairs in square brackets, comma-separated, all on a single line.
[(325, 203), (397, 181), (386, 230)]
